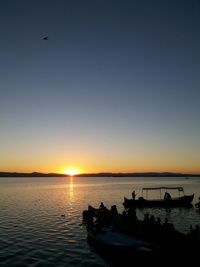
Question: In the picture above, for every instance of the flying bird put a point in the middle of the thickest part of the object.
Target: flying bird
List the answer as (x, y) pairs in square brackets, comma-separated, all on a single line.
[(45, 38)]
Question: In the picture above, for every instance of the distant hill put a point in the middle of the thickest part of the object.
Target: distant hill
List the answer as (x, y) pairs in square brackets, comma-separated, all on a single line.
[(32, 174), (102, 174)]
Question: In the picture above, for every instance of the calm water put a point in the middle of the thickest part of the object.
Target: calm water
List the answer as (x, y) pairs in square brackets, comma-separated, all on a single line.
[(33, 232)]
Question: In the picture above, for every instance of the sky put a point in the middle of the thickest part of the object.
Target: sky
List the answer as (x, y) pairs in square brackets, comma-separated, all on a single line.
[(116, 87)]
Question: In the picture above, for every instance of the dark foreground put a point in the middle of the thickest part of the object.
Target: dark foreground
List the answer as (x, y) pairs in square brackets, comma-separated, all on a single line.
[(123, 240)]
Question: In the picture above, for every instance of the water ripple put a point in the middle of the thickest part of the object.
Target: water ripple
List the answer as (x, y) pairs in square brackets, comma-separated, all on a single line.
[(40, 219)]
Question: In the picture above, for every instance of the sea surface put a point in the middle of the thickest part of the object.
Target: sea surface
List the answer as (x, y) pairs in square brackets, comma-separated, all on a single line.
[(41, 218)]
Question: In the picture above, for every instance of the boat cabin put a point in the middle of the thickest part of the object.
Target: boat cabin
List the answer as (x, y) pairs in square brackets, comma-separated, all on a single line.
[(164, 191)]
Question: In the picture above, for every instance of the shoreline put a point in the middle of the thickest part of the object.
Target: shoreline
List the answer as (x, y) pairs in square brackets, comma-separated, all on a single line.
[(102, 174)]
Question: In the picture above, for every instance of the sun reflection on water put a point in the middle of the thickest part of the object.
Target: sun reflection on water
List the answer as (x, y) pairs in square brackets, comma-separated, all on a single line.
[(71, 188)]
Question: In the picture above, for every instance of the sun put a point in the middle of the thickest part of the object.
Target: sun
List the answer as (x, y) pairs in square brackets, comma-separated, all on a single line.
[(71, 172)]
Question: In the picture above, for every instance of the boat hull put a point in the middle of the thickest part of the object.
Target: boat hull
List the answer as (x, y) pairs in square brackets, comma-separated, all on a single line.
[(112, 247), (118, 246), (184, 201)]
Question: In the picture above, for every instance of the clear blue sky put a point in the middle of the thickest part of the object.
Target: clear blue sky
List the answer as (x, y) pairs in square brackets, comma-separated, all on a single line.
[(116, 87)]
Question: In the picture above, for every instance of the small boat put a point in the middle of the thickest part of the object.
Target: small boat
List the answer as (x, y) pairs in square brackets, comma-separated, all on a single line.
[(121, 238), (166, 201), (119, 248), (104, 235), (114, 241)]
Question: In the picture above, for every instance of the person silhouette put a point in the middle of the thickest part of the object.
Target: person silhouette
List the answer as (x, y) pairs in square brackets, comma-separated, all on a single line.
[(133, 195), (102, 206), (167, 196)]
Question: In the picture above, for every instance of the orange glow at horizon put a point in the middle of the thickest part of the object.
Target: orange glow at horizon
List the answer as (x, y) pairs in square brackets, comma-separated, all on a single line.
[(71, 172)]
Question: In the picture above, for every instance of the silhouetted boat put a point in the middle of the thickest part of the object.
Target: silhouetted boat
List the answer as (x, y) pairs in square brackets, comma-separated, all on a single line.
[(113, 241), (167, 201), (122, 237)]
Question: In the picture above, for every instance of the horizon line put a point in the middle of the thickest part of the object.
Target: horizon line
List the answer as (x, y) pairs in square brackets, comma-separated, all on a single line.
[(51, 174)]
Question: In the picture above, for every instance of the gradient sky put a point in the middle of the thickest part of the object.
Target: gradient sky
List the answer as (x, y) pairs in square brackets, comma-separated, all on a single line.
[(115, 88)]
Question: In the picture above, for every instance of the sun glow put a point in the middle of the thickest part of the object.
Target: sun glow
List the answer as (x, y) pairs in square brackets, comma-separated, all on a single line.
[(71, 172)]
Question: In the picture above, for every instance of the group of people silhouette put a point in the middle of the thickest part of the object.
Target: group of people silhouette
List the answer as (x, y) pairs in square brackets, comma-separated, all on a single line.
[(152, 227)]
